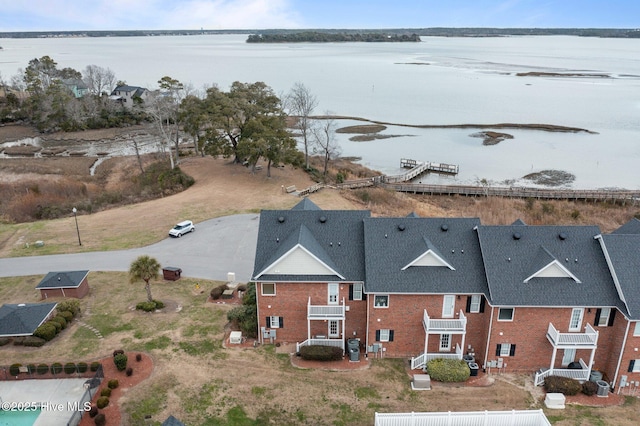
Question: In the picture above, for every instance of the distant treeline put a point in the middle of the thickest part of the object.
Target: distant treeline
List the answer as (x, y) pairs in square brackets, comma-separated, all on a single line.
[(326, 37), (400, 33)]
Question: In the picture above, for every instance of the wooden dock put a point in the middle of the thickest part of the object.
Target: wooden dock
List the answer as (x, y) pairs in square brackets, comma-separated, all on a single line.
[(419, 167)]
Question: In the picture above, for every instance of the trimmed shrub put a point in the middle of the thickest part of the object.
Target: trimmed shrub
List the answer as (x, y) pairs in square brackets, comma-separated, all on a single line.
[(42, 369), (589, 388), (102, 402), (150, 306), (70, 368), (321, 353), (93, 411), (563, 385), (4, 341), (129, 371), (113, 383), (46, 331), (216, 293), (33, 341), (56, 368), (32, 368), (14, 369), (448, 370), (68, 316), (138, 357), (242, 288), (82, 367), (71, 305), (120, 361), (94, 366), (55, 324), (100, 419), (105, 392), (118, 352), (18, 341), (60, 320)]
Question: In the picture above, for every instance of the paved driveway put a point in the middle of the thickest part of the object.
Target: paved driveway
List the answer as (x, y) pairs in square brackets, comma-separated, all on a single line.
[(217, 247)]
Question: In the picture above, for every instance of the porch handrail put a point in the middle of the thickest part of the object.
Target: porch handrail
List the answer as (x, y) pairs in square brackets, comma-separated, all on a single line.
[(588, 338), (438, 325), (422, 359), (581, 375), (338, 343), (325, 311)]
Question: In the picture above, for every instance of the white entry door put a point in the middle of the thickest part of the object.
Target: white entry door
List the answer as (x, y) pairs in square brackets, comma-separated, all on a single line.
[(333, 293), (448, 305), (568, 357), (334, 331)]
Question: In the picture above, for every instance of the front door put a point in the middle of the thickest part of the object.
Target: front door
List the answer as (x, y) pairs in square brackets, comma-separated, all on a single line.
[(576, 319), (568, 357), (448, 305), (333, 293), (334, 331)]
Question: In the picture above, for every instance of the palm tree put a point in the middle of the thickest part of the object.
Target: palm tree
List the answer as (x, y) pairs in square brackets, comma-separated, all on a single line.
[(144, 268)]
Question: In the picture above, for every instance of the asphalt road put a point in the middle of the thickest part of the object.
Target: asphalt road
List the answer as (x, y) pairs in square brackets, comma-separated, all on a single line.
[(217, 247)]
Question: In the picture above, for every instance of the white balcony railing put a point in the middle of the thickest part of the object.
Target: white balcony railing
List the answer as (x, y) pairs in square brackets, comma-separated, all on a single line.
[(422, 359), (321, 312), (444, 325), (338, 343), (586, 340), (582, 375)]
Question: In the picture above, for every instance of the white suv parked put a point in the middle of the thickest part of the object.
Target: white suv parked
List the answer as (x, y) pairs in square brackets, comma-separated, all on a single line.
[(182, 228)]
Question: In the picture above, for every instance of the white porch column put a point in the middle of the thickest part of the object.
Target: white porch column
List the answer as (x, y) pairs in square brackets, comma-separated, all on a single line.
[(593, 354), (553, 358)]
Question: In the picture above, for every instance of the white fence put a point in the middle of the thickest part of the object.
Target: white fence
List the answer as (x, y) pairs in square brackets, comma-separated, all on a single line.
[(469, 418)]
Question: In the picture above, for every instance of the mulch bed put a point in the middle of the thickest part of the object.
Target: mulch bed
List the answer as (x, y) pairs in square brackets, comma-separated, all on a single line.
[(141, 370)]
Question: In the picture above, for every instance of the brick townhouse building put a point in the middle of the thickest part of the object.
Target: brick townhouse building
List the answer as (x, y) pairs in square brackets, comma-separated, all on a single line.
[(540, 299)]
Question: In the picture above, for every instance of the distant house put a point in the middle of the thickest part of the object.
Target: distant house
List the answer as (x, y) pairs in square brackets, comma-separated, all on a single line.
[(126, 95), (76, 86), (24, 318), (64, 284)]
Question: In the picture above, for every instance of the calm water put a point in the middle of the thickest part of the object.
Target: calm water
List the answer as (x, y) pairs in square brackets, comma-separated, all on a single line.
[(438, 81), (18, 418)]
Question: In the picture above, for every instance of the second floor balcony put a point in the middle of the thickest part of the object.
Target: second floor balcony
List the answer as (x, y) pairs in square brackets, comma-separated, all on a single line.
[(326, 312), (444, 325), (586, 340)]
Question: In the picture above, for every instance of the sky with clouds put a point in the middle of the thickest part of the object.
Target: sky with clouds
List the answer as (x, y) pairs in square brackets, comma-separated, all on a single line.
[(70, 15)]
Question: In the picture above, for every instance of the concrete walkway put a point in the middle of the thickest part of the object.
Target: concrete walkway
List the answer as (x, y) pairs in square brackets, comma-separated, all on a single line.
[(217, 247)]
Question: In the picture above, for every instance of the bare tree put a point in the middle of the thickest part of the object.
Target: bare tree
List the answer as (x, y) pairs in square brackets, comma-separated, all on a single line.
[(301, 104), (324, 141), (99, 80), (163, 108)]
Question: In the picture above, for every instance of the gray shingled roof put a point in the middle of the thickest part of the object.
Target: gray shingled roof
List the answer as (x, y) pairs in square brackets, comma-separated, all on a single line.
[(333, 236), (392, 243), (623, 250), (23, 319), (62, 279), (510, 254), (631, 227), (306, 204)]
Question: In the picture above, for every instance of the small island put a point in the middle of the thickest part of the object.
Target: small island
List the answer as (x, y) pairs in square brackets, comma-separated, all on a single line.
[(326, 37)]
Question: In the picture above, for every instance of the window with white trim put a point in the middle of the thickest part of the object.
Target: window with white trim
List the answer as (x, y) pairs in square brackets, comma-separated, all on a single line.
[(505, 314), (634, 366), (333, 293), (268, 289), (603, 320), (274, 322), (505, 349), (384, 335), (474, 306), (636, 330), (357, 291), (381, 301), (445, 342)]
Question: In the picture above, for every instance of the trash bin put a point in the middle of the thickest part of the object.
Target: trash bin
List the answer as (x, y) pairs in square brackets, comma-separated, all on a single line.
[(603, 388), (474, 367), (171, 273), (353, 346)]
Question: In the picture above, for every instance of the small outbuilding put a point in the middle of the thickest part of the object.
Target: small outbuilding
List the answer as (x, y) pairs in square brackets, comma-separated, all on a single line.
[(64, 284), (23, 319)]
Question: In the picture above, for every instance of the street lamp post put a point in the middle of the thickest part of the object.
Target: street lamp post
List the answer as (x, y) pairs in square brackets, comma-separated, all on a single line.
[(75, 216)]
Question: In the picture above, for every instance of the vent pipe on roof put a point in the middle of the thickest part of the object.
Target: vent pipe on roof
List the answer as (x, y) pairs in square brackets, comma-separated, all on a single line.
[(562, 236), (516, 236), (281, 219), (444, 227), (401, 227), (323, 219)]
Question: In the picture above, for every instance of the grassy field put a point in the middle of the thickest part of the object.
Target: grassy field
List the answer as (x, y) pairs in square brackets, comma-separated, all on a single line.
[(201, 382)]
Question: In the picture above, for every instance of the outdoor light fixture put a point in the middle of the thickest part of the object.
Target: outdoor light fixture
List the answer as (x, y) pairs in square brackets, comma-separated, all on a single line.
[(75, 216)]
